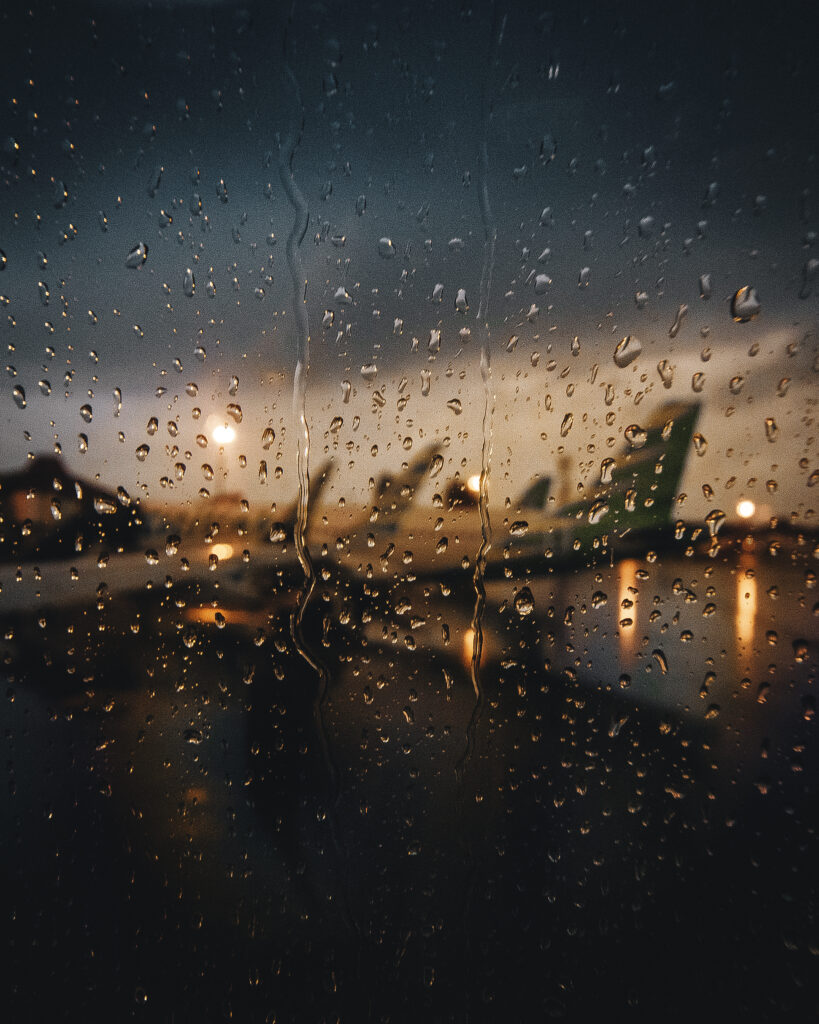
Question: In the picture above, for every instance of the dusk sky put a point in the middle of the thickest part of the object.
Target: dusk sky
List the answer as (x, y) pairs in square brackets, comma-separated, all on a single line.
[(666, 145)]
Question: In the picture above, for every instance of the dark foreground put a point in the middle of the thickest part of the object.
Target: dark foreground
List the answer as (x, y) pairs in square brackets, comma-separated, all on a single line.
[(199, 826)]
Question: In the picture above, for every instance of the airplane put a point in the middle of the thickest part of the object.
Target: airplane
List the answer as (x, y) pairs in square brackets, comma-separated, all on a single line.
[(632, 500), (628, 511), (631, 503)]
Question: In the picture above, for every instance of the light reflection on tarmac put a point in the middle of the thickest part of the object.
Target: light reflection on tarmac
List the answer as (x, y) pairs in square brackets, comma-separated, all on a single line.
[(641, 795)]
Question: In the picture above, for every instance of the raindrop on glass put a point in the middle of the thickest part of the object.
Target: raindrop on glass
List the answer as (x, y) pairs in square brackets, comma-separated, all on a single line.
[(745, 305), (137, 256), (627, 351)]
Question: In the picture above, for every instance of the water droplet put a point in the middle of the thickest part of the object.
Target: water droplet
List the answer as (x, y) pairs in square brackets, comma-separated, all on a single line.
[(584, 278), (361, 205), (200, 353), (117, 393), (104, 506), (342, 296), (461, 304), (86, 413), (43, 292), (542, 282), (369, 371), (268, 437), (745, 305), (386, 250), (714, 521), (735, 385), (705, 286), (142, 452), (336, 424), (346, 388), (519, 528), (234, 386), (179, 470), (426, 377), (641, 299), (566, 425), (151, 557), (771, 429), (674, 330), (627, 351), (666, 372), (188, 283), (524, 602), (60, 194), (56, 510), (606, 469), (3, 260), (646, 227), (262, 471), (221, 190), (153, 426), (697, 382), (635, 436), (82, 443), (700, 444), (810, 269), (137, 256), (234, 410), (454, 404), (597, 511)]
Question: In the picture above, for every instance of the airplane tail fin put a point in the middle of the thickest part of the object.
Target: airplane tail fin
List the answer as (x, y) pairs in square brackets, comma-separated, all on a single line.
[(536, 495), (395, 494)]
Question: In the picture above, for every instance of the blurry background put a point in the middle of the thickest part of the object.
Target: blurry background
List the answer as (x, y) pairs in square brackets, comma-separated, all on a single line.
[(418, 751)]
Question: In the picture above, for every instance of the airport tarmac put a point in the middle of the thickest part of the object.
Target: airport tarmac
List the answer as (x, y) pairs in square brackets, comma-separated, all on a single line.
[(628, 782)]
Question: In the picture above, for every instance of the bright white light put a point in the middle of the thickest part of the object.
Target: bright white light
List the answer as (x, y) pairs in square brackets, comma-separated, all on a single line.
[(222, 551), (223, 434), (474, 483), (746, 508)]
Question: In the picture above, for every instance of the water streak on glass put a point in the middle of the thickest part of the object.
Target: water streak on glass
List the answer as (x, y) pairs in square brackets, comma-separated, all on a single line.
[(287, 151), (490, 234)]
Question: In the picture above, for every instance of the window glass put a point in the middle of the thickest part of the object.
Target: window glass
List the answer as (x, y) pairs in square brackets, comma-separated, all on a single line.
[(407, 511)]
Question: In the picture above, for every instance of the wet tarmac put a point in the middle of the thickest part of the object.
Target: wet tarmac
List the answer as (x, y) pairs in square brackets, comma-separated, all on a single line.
[(212, 816)]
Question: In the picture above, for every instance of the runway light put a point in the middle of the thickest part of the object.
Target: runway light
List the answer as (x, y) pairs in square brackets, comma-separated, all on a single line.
[(745, 509), (223, 433), (222, 551), (474, 483)]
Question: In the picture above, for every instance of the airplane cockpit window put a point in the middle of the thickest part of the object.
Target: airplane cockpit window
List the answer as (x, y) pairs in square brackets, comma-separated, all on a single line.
[(408, 532)]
